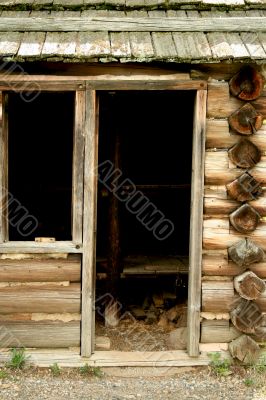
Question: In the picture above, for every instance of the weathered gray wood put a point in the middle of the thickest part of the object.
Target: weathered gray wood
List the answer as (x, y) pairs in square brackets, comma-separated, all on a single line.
[(164, 45), (237, 46), (93, 44), (59, 43), (78, 168), (9, 44), (219, 47), (115, 24), (253, 45), (120, 44), (141, 45), (31, 44), (42, 299), (249, 286), (34, 270), (196, 217), (218, 331), (245, 349), (40, 334), (35, 247), (4, 170), (89, 224), (192, 45)]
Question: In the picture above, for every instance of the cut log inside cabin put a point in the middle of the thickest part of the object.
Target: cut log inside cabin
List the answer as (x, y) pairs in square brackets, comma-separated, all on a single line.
[(145, 153)]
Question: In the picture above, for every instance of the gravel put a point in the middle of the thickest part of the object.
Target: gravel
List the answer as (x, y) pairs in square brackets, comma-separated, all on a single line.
[(128, 383)]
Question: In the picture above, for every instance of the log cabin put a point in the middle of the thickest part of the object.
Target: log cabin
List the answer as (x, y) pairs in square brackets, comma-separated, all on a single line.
[(133, 137)]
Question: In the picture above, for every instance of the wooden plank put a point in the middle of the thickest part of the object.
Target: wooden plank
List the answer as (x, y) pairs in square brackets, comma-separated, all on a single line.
[(219, 46), (4, 170), (218, 331), (120, 44), (9, 44), (164, 46), (237, 46), (89, 224), (217, 264), (40, 334), (196, 216), (35, 270), (35, 247), (93, 44), (141, 45), (262, 38), (42, 299), (72, 358), (59, 43), (253, 45), (125, 24), (192, 45), (219, 136), (215, 206), (78, 168), (31, 44)]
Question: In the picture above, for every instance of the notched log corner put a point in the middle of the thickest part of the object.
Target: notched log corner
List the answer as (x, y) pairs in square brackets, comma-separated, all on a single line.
[(246, 316), (244, 349), (244, 154), (247, 84), (245, 219), (249, 286), (245, 252), (244, 188), (246, 120)]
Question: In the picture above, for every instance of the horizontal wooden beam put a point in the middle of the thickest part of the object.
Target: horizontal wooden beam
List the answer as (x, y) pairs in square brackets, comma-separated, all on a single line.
[(102, 24), (35, 247)]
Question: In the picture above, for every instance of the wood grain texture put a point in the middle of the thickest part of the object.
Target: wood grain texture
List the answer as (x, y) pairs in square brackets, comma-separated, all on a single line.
[(216, 263), (89, 224), (196, 216), (221, 331), (41, 270), (39, 334), (78, 168), (125, 24), (4, 170), (43, 299), (219, 296)]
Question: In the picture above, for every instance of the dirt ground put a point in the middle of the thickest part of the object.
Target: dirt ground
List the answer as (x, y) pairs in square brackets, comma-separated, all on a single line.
[(131, 383)]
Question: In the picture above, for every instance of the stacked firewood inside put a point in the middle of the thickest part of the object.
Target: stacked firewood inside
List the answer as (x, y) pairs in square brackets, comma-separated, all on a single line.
[(237, 244)]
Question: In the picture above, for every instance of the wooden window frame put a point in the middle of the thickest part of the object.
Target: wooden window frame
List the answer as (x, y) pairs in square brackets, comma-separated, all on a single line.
[(67, 246), (87, 126)]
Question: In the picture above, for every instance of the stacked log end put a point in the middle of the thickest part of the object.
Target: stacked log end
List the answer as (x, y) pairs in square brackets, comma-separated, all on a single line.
[(234, 267)]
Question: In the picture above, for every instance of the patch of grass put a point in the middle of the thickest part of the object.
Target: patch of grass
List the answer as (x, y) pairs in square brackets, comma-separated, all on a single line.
[(3, 374), (260, 367), (55, 369), (249, 382), (94, 371), (18, 359), (221, 367)]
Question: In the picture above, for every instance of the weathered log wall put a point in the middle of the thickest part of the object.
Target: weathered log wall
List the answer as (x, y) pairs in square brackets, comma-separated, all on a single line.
[(40, 301), (218, 294)]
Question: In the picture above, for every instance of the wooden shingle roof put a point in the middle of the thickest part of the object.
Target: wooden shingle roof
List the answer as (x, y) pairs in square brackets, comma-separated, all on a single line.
[(129, 4), (136, 35)]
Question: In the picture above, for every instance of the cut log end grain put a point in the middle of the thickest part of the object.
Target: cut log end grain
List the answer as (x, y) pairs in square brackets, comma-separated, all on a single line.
[(245, 252), (249, 285), (246, 316), (247, 84), (244, 188), (246, 120), (245, 219), (244, 349), (244, 154)]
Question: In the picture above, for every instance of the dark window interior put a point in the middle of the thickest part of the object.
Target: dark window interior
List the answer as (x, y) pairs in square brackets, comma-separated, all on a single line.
[(40, 161), (155, 135)]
